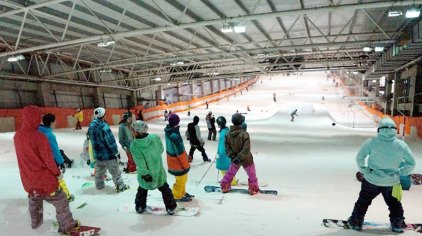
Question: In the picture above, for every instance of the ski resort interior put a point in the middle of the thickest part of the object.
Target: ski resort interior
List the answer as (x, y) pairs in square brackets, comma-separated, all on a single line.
[(312, 80)]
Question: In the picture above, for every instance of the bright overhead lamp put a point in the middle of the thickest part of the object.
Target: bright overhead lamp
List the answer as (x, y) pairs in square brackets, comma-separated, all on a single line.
[(213, 73), (413, 12), (394, 13), (108, 70), (239, 28), (16, 58), (379, 48), (367, 49), (355, 72), (106, 42), (157, 79), (227, 28)]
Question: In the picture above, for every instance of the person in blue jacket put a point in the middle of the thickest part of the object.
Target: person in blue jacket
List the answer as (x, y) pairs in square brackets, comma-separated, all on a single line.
[(382, 160), (46, 128), (223, 161)]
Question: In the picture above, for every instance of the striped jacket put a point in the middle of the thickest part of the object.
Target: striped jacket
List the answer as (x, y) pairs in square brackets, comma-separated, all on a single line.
[(177, 160)]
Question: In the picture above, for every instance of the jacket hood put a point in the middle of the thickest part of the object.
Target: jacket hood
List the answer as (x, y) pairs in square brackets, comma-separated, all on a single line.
[(387, 129), (235, 130), (169, 130), (97, 123), (45, 129), (143, 142), (31, 117)]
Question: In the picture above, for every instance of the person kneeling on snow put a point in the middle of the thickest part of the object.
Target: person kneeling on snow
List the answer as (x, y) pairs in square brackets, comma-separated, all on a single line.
[(147, 149), (238, 148), (387, 159)]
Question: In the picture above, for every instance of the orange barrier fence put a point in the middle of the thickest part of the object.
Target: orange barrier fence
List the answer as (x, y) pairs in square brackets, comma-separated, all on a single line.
[(412, 125), (65, 119)]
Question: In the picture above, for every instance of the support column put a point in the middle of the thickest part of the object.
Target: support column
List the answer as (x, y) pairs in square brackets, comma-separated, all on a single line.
[(219, 85), (202, 88), (159, 94), (178, 92), (44, 95), (99, 98), (212, 86), (192, 89)]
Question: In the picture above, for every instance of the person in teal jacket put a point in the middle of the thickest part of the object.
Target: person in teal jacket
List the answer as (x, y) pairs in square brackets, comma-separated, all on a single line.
[(223, 161), (382, 160), (147, 150), (48, 120)]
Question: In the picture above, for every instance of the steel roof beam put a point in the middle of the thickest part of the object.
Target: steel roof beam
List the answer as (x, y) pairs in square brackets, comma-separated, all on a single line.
[(214, 22)]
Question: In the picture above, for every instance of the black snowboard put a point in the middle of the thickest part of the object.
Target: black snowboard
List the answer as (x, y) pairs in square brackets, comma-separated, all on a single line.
[(334, 223)]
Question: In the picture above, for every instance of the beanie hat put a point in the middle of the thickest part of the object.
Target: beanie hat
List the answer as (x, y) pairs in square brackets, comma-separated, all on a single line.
[(140, 127), (174, 120), (99, 112), (221, 121), (125, 116), (195, 120), (237, 119)]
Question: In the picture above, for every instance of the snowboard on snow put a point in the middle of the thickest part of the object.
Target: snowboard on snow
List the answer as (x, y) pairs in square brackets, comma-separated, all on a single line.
[(335, 223), (155, 210), (210, 189), (82, 230)]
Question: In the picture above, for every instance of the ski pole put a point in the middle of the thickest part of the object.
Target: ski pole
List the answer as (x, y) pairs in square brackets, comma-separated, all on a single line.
[(207, 171)]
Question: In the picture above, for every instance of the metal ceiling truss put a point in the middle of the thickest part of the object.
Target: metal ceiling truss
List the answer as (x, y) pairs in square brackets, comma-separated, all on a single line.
[(201, 52)]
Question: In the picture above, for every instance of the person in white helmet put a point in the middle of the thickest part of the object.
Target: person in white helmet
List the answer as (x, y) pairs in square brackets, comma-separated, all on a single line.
[(105, 151)]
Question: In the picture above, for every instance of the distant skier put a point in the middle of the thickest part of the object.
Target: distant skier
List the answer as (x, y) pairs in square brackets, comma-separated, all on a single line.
[(274, 97), (387, 159), (188, 110), (293, 114), (223, 160), (212, 131), (238, 148), (79, 115), (206, 104), (147, 150), (166, 115)]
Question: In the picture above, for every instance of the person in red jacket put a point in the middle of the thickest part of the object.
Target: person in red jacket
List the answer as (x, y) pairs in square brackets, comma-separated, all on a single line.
[(39, 173)]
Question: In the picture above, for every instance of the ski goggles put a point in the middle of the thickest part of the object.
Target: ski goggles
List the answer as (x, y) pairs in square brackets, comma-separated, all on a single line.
[(386, 127)]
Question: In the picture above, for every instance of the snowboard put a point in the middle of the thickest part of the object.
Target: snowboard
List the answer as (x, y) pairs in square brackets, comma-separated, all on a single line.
[(155, 210), (210, 189), (242, 183), (334, 223), (85, 231)]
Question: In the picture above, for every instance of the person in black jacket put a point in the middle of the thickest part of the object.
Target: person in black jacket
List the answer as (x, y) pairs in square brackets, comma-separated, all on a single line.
[(193, 134)]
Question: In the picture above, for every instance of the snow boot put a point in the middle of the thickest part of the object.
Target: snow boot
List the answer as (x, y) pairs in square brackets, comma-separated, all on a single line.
[(397, 225), (189, 195), (184, 199), (122, 188), (140, 209), (225, 187), (355, 223), (170, 211), (253, 189)]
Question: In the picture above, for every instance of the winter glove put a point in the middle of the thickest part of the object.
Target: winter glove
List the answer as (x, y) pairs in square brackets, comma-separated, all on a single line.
[(236, 160), (60, 177), (118, 156), (62, 168), (147, 178)]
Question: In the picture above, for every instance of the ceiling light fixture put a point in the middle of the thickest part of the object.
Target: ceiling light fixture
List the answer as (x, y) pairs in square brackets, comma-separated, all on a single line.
[(106, 42), (367, 49), (227, 28), (108, 70), (413, 12), (157, 79), (379, 48), (15, 58), (239, 28), (394, 13)]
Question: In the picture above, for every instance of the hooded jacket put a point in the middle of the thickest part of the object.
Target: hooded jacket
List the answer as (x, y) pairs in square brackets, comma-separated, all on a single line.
[(223, 161), (37, 167), (103, 143), (177, 160), (387, 157), (125, 136), (48, 132), (147, 156), (238, 145), (79, 116)]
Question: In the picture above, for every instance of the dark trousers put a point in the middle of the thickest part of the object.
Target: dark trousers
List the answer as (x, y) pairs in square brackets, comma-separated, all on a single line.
[(169, 202), (200, 148), (212, 132), (78, 125), (368, 192)]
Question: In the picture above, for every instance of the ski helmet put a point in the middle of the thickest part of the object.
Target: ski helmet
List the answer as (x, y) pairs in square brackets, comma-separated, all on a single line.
[(174, 120), (99, 112), (221, 121), (140, 126)]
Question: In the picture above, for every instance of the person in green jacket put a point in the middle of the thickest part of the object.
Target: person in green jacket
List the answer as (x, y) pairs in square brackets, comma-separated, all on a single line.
[(147, 150), (382, 159)]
